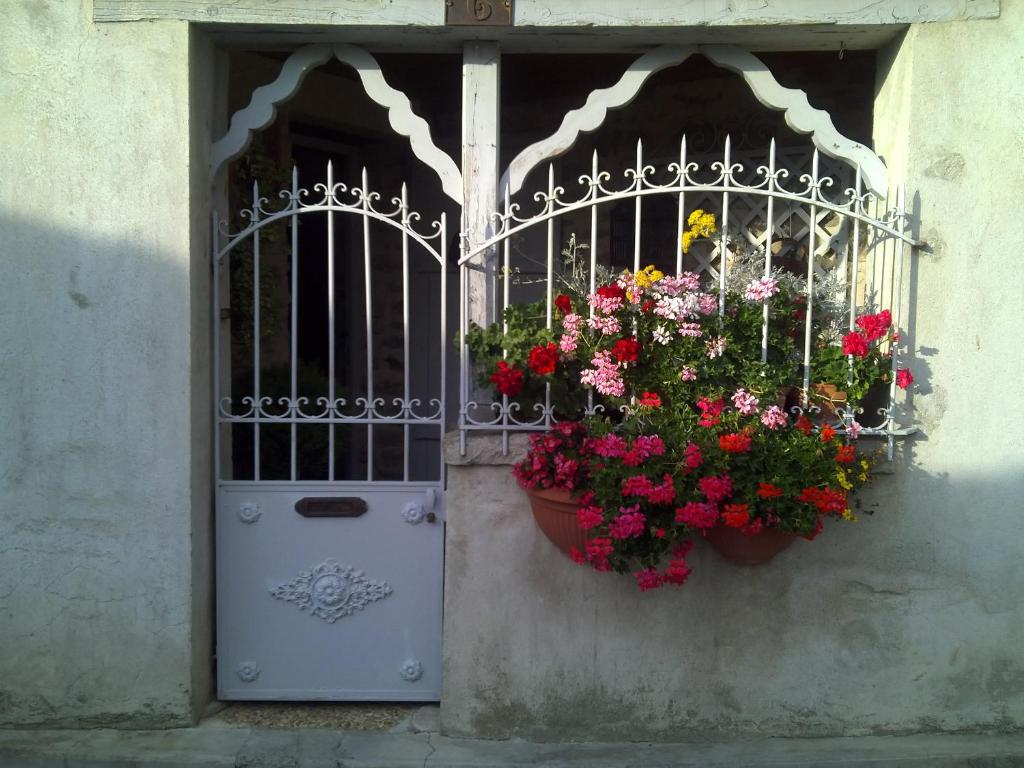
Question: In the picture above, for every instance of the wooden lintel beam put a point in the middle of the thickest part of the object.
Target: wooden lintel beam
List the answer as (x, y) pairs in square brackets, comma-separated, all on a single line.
[(552, 13)]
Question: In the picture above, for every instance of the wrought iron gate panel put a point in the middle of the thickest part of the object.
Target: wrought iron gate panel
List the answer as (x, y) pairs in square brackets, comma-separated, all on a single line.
[(329, 588), (843, 229)]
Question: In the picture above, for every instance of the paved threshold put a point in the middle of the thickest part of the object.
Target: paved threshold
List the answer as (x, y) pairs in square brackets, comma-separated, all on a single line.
[(232, 747)]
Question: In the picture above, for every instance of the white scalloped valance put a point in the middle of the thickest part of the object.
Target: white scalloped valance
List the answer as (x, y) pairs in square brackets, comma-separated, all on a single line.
[(798, 113), (262, 108)]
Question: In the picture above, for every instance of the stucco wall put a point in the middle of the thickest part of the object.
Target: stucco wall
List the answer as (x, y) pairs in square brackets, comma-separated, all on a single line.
[(909, 620), (102, 471)]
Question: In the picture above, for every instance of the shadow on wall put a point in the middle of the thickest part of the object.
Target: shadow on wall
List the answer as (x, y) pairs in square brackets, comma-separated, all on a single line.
[(104, 498)]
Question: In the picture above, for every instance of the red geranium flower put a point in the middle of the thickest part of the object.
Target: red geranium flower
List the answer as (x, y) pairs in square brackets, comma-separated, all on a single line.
[(651, 400), (710, 411), (768, 491), (736, 515), (845, 454), (855, 344), (875, 326), (648, 578), (612, 291), (825, 499), (563, 304), (626, 350), (804, 425), (904, 378), (677, 572), (544, 359), (508, 379), (827, 433), (736, 442)]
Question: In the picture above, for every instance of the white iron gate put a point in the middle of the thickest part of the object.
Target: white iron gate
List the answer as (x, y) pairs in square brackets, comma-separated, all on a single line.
[(854, 238), (330, 505)]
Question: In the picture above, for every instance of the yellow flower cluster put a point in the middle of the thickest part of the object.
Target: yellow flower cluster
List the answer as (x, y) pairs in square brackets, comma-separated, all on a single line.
[(700, 224), (648, 275), (843, 478)]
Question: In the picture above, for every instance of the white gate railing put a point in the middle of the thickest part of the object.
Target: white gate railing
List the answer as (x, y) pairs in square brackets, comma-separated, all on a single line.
[(851, 234), (372, 407)]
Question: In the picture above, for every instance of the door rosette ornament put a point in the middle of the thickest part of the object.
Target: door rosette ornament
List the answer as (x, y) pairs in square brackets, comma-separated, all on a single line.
[(411, 670), (331, 590), (249, 512), (247, 671)]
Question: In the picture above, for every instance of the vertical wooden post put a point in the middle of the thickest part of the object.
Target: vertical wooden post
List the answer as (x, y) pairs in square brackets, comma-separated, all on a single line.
[(481, 72)]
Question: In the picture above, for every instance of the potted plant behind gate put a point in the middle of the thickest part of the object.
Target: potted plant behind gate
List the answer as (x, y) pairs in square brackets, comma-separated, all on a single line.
[(670, 415)]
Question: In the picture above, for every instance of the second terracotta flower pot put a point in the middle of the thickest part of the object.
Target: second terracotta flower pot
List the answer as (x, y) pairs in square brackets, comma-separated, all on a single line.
[(555, 513), (737, 547)]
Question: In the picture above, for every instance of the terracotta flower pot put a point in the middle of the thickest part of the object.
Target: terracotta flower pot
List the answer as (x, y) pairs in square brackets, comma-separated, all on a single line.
[(825, 396), (831, 397), (737, 547), (555, 513)]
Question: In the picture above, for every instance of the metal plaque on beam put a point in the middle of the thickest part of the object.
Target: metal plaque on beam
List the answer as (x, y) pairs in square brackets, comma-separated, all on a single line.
[(478, 13)]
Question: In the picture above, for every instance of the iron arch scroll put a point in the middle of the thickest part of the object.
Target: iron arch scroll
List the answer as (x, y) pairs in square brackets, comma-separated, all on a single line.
[(400, 218), (856, 207)]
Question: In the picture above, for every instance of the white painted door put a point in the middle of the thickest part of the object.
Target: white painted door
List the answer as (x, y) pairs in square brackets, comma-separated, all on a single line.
[(329, 608), (330, 410)]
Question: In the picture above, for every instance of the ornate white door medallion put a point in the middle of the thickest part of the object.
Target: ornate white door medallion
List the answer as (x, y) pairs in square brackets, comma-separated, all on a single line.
[(331, 590)]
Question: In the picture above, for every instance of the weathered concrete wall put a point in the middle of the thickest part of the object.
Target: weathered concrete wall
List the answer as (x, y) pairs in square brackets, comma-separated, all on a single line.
[(104, 592), (910, 620)]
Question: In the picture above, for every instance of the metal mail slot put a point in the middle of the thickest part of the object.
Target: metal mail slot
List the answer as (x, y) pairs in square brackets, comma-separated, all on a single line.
[(348, 506)]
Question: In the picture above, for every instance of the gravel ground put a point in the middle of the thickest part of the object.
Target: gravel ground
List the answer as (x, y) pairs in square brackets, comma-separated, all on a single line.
[(349, 717)]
